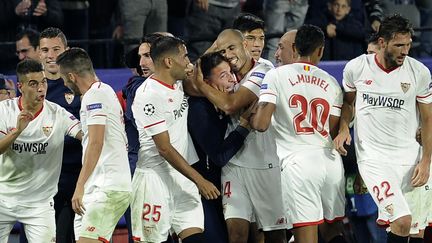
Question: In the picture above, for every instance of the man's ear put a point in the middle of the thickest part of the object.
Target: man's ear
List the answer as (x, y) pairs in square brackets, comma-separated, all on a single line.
[(168, 62), (381, 42), (19, 85)]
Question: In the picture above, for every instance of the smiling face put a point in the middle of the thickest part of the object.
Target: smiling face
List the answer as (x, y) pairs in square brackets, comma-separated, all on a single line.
[(25, 50), (33, 87), (396, 49), (255, 42), (232, 48), (50, 49), (222, 78)]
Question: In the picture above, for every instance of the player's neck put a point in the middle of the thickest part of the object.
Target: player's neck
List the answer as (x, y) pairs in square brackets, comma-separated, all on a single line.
[(307, 59), (249, 64), (32, 107), (165, 78), (379, 57), (52, 76)]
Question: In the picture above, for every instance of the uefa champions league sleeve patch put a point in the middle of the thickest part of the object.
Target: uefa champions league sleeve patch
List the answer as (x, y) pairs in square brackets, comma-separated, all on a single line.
[(149, 109), (263, 86), (257, 74), (94, 106)]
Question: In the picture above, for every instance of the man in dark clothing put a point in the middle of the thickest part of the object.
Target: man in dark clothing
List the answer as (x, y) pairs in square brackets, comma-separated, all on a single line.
[(207, 126)]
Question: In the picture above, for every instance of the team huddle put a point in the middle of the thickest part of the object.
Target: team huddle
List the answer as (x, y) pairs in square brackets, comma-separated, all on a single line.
[(232, 136)]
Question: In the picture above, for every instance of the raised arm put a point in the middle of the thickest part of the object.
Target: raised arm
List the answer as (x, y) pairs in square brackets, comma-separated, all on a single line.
[(23, 120)]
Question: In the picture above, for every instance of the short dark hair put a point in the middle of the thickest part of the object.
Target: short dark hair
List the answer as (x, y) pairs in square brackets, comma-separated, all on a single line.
[(76, 60), (348, 2), (373, 38), (163, 46), (248, 22), (27, 66), (132, 58), (308, 39), (209, 61), (394, 24), (31, 34), (52, 32)]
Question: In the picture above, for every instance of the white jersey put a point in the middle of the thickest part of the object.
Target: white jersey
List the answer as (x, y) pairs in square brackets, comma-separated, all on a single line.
[(265, 61), (159, 107), (100, 106), (30, 168), (385, 108), (259, 149), (305, 96)]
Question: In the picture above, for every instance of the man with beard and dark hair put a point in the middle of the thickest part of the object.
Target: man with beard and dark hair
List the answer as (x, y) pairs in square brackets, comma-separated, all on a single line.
[(388, 90)]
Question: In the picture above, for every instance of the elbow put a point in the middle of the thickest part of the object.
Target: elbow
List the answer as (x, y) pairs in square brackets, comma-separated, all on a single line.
[(163, 150), (229, 109), (259, 126)]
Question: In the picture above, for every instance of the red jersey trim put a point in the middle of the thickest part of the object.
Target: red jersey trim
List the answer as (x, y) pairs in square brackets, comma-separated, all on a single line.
[(351, 87), (3, 132), (73, 127), (100, 83), (163, 83), (382, 67), (254, 83), (336, 106), (308, 223), (267, 93), (135, 238), (383, 223), (103, 239), (304, 62), (334, 220), (21, 108), (422, 97), (154, 124)]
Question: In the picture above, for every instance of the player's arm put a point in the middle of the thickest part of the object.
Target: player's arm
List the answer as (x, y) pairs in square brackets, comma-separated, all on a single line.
[(343, 137), (96, 135), (23, 120), (334, 126), (79, 135), (260, 121), (421, 172), (167, 151)]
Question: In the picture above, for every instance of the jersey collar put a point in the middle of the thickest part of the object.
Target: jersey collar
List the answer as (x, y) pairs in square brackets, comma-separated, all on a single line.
[(21, 108), (387, 70)]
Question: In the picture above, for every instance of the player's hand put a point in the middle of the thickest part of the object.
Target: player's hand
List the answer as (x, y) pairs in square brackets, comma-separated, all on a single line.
[(344, 137), (24, 118), (207, 189), (77, 203), (202, 4), (421, 173), (41, 8), (418, 136)]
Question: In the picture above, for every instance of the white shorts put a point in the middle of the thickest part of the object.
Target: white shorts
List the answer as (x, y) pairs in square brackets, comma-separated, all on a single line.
[(249, 193), (38, 220), (313, 186), (103, 211), (420, 201), (387, 184), (162, 201)]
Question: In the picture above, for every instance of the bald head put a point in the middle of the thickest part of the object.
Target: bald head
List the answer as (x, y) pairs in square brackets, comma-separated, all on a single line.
[(285, 53), (231, 44)]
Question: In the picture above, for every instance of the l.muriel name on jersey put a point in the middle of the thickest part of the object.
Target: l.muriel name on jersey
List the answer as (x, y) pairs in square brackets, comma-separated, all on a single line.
[(310, 79), (37, 148), (384, 101)]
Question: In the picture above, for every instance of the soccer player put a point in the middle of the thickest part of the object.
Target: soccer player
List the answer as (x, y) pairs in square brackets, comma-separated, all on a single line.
[(32, 132), (285, 52), (252, 28), (388, 90), (102, 191), (251, 179), (305, 103), (165, 193), (53, 42)]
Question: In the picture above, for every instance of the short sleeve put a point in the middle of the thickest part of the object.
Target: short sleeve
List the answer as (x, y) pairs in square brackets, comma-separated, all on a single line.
[(268, 92), (3, 125), (336, 108), (256, 77), (149, 111), (71, 124), (424, 86), (96, 107), (348, 77)]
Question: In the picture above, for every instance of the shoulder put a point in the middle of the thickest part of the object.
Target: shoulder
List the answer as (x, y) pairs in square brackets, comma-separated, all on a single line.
[(360, 60), (416, 65)]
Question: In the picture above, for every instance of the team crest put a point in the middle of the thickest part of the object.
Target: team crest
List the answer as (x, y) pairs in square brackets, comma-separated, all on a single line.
[(47, 130), (69, 98), (390, 209), (405, 87)]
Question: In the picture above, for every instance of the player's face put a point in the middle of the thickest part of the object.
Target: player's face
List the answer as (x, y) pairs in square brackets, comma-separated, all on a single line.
[(181, 62), (33, 87), (146, 62), (396, 49), (339, 9), (255, 42), (222, 78), (68, 82), (24, 50), (50, 49), (285, 53), (233, 49), (372, 48)]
